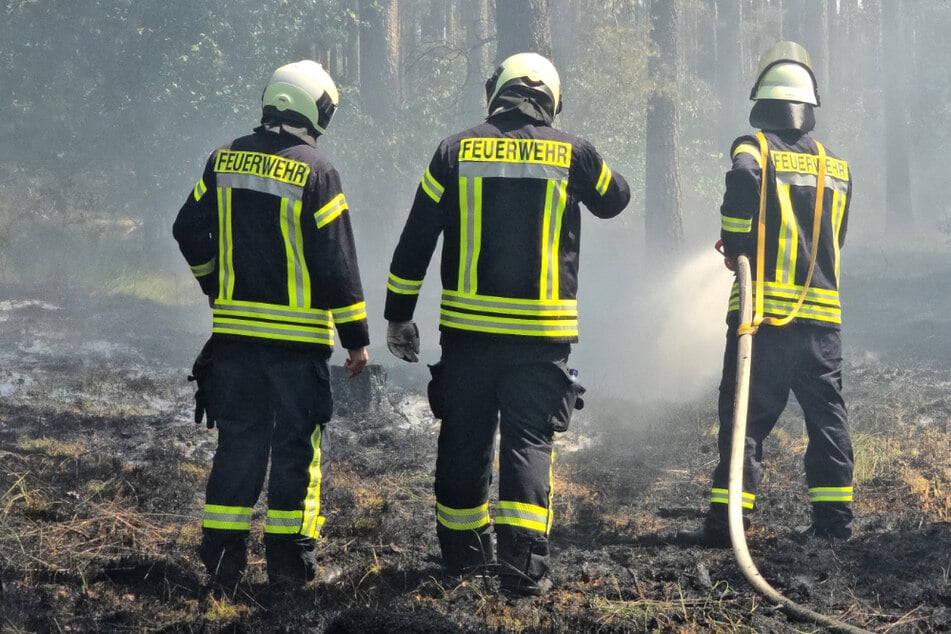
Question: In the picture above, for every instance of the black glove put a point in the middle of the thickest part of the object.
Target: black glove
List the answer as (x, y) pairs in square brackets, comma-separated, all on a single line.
[(201, 375)]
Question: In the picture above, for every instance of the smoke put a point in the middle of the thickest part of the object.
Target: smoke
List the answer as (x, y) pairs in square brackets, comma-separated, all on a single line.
[(665, 339)]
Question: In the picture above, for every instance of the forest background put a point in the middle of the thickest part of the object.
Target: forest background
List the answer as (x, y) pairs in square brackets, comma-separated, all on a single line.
[(110, 108)]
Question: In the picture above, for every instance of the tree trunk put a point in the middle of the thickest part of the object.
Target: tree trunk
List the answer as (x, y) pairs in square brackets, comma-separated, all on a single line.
[(475, 16), (521, 26), (734, 108), (380, 58), (663, 219), (899, 213)]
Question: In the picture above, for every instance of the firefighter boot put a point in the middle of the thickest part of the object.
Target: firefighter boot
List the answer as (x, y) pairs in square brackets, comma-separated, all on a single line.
[(715, 532), (225, 556), (291, 560), (831, 521), (464, 552), (524, 564)]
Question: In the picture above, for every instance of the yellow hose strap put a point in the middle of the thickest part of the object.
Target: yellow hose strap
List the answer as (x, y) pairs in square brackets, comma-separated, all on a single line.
[(761, 241)]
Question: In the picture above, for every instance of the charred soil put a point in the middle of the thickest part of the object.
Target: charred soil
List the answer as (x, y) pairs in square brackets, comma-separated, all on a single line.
[(102, 477)]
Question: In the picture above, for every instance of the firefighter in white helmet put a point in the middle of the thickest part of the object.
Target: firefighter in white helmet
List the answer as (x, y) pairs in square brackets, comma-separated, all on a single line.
[(506, 196), (267, 234), (786, 207)]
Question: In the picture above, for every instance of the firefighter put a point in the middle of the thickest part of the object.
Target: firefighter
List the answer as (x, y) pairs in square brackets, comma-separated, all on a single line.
[(786, 207), (267, 234), (505, 195)]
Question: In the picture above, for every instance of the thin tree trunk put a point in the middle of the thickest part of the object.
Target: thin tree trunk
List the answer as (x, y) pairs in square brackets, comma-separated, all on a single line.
[(898, 204), (663, 218), (521, 26), (380, 57)]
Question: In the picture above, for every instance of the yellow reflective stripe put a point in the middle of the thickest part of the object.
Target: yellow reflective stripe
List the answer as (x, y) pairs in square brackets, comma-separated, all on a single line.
[(262, 165), (522, 515), (830, 494), (201, 270), (736, 225), (312, 520), (298, 278), (354, 312), (403, 286), (470, 232), (265, 330), (838, 214), (225, 245), (200, 189), (462, 519), (336, 206), (720, 496), (788, 245), (431, 186), (283, 522), (556, 198), (604, 180), (274, 312), (509, 150), (232, 518), (511, 305), (750, 149), (509, 325)]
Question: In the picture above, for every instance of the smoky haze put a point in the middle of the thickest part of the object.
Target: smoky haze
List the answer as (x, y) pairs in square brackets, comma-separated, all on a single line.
[(112, 107)]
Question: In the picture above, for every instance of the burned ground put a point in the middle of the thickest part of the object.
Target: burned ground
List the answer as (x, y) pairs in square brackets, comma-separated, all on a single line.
[(102, 474)]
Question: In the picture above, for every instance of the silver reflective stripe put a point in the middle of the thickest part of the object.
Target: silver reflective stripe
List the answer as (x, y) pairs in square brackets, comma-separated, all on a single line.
[(403, 286), (788, 238), (810, 180), (555, 199), (225, 253), (331, 210), (504, 305), (349, 313), (290, 228), (259, 184), (469, 225), (317, 316), (258, 329), (501, 169), (551, 328)]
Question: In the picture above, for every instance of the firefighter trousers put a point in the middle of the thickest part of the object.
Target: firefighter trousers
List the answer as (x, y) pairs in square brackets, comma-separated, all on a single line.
[(524, 392), (270, 404), (806, 360)]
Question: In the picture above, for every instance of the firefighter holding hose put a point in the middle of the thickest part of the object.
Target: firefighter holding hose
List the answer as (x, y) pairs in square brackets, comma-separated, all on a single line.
[(786, 208)]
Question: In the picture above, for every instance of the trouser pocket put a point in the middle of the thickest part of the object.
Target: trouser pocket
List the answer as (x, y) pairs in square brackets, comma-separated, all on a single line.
[(436, 391), (571, 400)]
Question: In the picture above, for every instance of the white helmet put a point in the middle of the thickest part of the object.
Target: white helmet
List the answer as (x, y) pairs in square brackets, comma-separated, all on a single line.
[(303, 88), (785, 74), (528, 70)]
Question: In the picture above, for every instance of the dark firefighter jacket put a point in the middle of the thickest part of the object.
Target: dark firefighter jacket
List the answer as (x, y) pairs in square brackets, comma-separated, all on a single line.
[(792, 175), (505, 195), (267, 235)]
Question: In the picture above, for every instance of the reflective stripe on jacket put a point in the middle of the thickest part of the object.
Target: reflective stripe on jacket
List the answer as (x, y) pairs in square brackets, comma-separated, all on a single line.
[(267, 235), (505, 195), (792, 174)]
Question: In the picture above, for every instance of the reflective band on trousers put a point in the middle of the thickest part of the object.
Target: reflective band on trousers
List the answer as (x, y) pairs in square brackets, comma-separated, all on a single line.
[(523, 515), (830, 494), (283, 522), (229, 518), (462, 519), (721, 496)]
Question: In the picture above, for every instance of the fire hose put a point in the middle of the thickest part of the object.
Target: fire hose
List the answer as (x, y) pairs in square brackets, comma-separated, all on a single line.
[(735, 489)]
